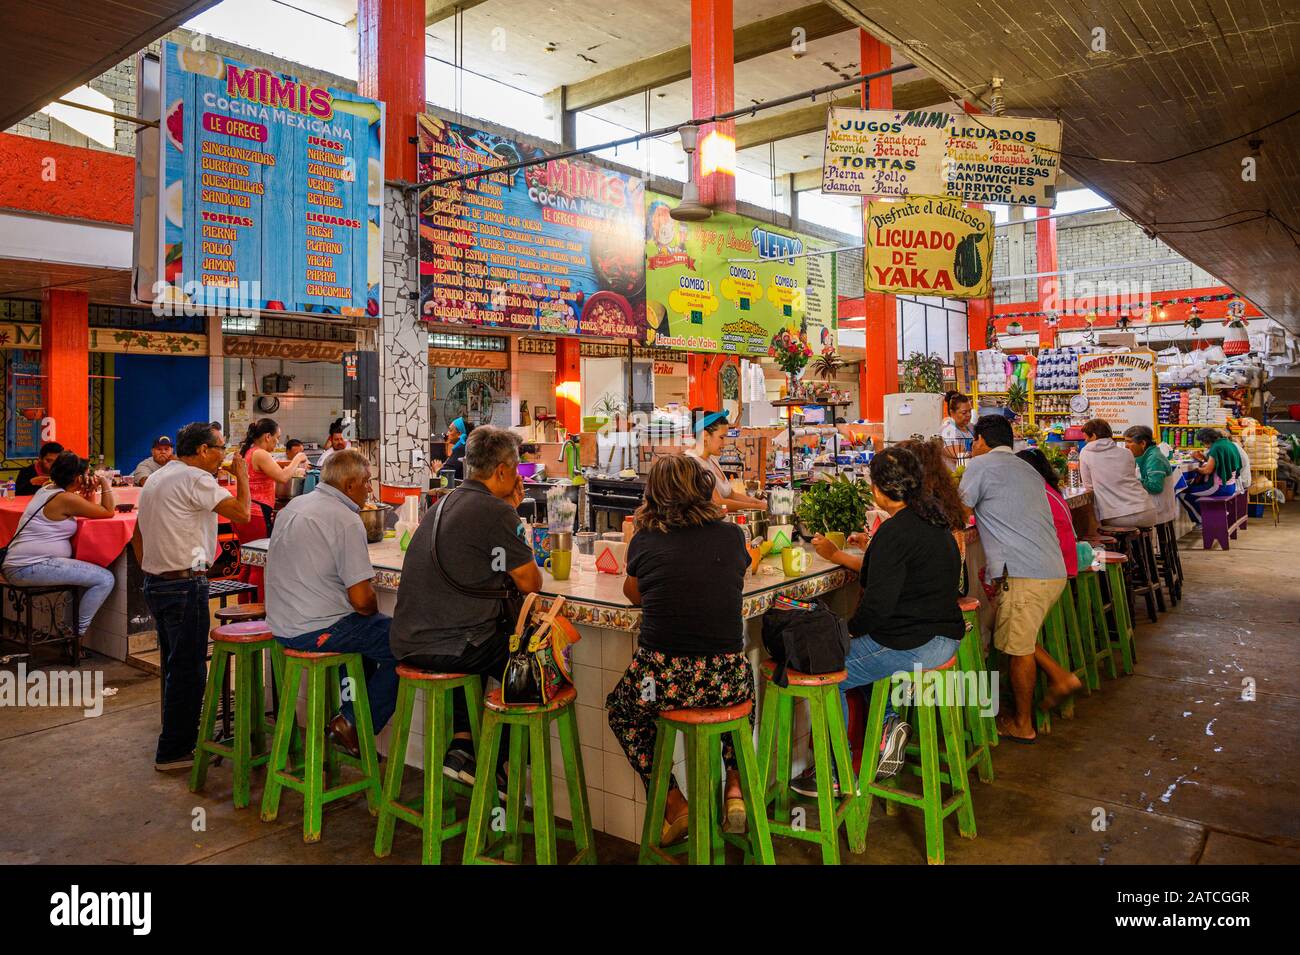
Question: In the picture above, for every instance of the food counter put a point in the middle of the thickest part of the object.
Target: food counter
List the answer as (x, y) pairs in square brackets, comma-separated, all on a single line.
[(608, 624)]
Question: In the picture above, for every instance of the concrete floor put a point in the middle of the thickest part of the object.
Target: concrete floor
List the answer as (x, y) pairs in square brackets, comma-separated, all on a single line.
[(1182, 768)]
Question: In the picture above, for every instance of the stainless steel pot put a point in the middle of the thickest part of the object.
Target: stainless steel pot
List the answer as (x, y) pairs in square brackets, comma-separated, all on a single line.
[(373, 517)]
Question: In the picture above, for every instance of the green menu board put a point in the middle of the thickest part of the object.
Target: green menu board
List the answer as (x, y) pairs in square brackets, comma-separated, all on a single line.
[(733, 284)]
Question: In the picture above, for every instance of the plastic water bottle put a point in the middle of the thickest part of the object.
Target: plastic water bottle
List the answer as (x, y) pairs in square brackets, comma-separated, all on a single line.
[(1072, 467)]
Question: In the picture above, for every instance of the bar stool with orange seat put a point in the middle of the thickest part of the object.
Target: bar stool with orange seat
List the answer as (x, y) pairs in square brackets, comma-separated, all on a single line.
[(240, 613), (938, 694), (830, 740), (434, 816), (242, 642), (703, 730), (530, 747), (320, 670)]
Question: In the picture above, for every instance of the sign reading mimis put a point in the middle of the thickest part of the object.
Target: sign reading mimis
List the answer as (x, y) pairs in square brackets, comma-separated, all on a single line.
[(929, 245)]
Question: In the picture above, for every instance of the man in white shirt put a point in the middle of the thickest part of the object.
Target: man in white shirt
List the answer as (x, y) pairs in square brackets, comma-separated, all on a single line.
[(333, 445), (175, 542)]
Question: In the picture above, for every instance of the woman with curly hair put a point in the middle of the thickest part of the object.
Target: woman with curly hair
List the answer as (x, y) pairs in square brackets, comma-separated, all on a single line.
[(937, 480), (686, 570)]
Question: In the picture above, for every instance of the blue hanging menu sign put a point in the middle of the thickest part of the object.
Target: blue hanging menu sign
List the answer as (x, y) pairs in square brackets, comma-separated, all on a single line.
[(271, 190)]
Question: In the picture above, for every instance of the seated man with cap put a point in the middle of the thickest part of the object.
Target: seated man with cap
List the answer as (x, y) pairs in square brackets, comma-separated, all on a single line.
[(710, 437), (160, 455)]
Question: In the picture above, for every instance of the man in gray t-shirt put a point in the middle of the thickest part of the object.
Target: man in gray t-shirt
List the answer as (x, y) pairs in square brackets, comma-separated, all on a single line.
[(481, 546), (1023, 554), (318, 586)]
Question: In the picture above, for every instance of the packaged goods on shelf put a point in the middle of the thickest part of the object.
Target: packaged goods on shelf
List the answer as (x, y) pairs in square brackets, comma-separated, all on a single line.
[(992, 370), (1058, 370)]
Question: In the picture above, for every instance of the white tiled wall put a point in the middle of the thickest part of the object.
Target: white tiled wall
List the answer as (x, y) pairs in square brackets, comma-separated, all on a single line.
[(314, 399)]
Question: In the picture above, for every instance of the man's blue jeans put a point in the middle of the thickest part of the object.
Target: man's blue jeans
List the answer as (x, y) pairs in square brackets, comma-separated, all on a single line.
[(868, 661), (180, 614), (368, 636)]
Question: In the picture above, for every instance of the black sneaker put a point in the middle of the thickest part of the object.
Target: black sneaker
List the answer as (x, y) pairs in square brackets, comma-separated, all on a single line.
[(458, 764), (175, 764), (893, 748), (805, 784)]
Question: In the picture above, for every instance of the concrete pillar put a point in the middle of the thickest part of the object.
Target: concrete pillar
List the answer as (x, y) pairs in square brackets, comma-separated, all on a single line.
[(65, 363), (979, 311), (216, 372), (879, 373), (713, 89)]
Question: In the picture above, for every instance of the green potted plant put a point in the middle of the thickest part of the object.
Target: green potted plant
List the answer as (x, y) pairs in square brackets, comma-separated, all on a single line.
[(837, 506), (922, 373), (1018, 396)]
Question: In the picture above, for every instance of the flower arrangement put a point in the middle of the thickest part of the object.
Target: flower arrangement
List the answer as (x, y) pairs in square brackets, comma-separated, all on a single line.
[(790, 349)]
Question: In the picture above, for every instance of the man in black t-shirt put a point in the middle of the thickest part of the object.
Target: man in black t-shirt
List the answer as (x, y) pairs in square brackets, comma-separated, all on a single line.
[(481, 546), (31, 478)]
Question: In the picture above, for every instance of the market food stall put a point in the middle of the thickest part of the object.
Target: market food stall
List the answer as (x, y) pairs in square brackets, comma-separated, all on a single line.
[(608, 623)]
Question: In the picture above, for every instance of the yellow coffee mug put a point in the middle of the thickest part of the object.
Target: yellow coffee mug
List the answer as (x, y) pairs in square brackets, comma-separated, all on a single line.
[(794, 561), (559, 564)]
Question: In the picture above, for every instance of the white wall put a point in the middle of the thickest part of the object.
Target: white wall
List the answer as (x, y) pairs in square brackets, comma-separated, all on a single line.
[(315, 396)]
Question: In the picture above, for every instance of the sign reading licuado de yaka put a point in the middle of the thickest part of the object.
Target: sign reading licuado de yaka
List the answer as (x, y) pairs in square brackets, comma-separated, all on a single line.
[(929, 245), (271, 190)]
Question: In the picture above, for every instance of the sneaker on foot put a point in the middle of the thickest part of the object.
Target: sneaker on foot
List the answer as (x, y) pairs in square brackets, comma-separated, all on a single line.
[(458, 764), (893, 748), (174, 764), (805, 784)]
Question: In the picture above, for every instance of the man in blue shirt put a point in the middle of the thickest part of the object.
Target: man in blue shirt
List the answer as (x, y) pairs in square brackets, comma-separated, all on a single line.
[(318, 591), (1023, 555)]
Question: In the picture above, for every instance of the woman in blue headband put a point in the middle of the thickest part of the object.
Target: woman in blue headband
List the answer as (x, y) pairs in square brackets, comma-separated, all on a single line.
[(454, 466), (710, 436)]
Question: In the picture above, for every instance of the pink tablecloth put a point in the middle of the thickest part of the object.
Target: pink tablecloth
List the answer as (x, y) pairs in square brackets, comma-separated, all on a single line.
[(98, 542)]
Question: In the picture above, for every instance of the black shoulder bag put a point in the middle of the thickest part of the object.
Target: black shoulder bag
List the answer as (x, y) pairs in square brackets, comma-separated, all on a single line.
[(512, 601)]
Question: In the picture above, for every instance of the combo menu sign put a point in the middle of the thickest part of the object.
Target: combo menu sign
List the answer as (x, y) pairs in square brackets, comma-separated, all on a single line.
[(555, 247), (1002, 159), (271, 189)]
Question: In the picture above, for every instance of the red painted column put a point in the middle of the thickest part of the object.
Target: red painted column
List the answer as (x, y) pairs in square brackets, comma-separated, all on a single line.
[(1048, 286), (568, 384), (702, 381), (65, 362), (978, 310), (390, 55), (878, 375), (713, 89)]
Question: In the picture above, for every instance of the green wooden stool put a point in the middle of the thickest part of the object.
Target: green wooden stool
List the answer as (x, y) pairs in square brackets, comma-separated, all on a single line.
[(829, 739), (1092, 608), (1119, 623), (981, 733), (1052, 638), (318, 669), (434, 815), (530, 745), (703, 731), (1082, 664), (243, 643), (932, 696)]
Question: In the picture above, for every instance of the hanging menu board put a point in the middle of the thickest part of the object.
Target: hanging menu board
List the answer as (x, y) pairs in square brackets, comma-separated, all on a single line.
[(733, 284), (1002, 159), (24, 397), (271, 190), (873, 153), (929, 245), (1120, 387), (555, 247)]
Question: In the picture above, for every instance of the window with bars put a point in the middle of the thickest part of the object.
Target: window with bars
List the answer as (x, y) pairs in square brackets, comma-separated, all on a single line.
[(931, 325)]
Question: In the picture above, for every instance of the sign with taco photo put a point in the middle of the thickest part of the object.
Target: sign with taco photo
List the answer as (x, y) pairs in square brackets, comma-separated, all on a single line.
[(929, 245)]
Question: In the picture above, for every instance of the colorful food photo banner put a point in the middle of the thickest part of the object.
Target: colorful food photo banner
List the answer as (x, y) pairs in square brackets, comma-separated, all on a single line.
[(734, 285), (874, 153), (929, 245), (1002, 159), (272, 189), (557, 247), (1120, 387)]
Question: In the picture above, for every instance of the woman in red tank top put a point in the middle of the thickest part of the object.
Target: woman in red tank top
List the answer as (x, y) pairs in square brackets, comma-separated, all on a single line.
[(265, 473)]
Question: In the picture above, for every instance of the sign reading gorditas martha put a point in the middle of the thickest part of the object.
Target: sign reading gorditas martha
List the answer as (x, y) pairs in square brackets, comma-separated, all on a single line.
[(929, 245)]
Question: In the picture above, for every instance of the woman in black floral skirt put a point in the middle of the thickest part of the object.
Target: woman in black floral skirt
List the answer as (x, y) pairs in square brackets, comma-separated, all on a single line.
[(686, 569)]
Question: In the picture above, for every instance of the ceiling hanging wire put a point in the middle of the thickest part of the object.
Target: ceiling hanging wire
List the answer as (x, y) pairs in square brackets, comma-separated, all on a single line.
[(771, 165), (644, 145)]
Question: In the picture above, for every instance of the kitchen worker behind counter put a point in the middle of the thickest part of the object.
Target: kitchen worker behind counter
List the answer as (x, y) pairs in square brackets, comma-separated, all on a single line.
[(458, 433), (710, 436), (159, 455)]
